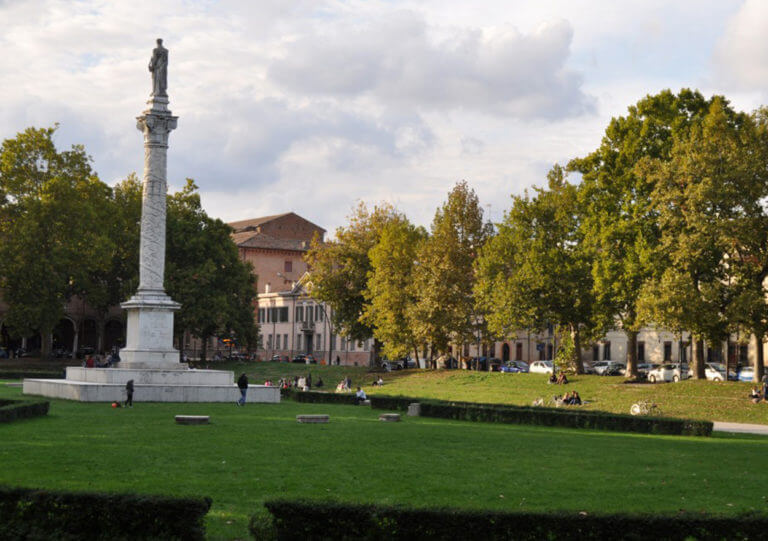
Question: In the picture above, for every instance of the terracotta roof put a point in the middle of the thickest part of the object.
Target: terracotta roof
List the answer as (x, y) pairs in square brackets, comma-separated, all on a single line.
[(255, 222), (252, 239)]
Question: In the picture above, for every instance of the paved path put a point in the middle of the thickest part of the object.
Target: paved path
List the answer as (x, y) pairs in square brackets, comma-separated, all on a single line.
[(741, 427)]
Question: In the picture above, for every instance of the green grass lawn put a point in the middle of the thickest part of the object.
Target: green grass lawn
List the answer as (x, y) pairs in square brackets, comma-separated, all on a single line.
[(259, 452), (715, 401)]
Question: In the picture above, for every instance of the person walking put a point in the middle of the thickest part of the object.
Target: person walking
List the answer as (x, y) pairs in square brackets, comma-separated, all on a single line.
[(242, 384), (129, 394)]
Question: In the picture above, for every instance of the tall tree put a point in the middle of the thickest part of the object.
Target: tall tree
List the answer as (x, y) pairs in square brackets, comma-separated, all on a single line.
[(390, 291), (340, 268), (536, 271), (694, 196), (51, 236), (445, 310), (747, 236), (620, 223), (205, 274)]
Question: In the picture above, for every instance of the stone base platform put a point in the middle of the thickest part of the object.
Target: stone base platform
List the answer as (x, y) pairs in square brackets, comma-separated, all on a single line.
[(108, 385)]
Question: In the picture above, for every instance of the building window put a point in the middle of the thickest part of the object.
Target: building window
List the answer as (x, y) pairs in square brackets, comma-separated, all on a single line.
[(318, 342), (298, 342), (261, 315), (367, 345), (269, 342), (743, 354), (667, 352), (641, 352), (285, 341), (288, 266), (342, 344), (299, 313), (607, 351), (321, 313), (595, 353), (282, 314)]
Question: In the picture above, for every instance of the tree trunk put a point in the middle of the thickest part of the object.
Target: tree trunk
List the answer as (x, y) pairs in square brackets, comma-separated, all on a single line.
[(204, 349), (759, 357), (631, 354), (576, 339), (697, 352), (46, 336)]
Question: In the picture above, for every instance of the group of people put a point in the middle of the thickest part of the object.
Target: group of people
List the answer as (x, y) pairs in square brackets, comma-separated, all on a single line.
[(96, 361), (344, 385), (571, 398), (560, 379), (378, 382), (297, 382), (755, 395)]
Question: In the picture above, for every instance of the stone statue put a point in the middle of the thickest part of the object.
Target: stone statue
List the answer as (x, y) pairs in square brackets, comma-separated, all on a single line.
[(158, 65)]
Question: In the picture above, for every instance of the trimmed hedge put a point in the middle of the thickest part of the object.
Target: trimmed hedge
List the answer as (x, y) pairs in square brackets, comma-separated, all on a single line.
[(41, 374), (316, 397), (13, 410), (561, 417), (40, 514), (310, 520)]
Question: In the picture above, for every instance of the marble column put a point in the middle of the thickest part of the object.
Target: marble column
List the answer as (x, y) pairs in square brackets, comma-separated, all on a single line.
[(149, 333)]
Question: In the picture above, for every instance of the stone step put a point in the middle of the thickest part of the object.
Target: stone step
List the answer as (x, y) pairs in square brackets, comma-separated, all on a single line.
[(313, 418), (390, 417), (85, 391), (151, 377), (192, 419)]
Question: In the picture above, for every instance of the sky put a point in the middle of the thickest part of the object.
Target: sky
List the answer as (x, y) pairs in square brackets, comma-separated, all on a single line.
[(312, 106)]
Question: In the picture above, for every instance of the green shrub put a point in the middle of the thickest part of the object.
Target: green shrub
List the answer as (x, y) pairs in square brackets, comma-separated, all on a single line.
[(315, 397), (41, 514), (560, 417), (310, 520), (36, 374), (13, 410)]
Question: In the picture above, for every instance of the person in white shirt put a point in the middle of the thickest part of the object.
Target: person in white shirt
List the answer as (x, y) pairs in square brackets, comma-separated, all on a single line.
[(360, 396)]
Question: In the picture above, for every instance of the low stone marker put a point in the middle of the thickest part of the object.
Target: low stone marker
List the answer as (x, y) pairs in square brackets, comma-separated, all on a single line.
[(414, 409), (192, 419), (313, 419), (390, 417), (365, 403)]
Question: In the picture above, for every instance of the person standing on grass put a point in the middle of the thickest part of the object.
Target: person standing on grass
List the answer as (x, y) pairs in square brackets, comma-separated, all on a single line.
[(129, 394), (242, 384)]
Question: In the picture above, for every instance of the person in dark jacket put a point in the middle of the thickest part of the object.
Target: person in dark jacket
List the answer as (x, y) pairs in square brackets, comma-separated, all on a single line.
[(129, 394), (242, 384)]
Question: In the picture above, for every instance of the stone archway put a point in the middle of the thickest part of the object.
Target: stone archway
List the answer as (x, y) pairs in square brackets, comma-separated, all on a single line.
[(114, 334), (505, 352), (63, 337)]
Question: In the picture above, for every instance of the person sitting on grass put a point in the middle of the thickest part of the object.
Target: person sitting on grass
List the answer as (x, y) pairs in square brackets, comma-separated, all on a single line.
[(340, 388), (754, 396), (360, 396), (562, 379), (575, 399), (552, 378), (319, 382)]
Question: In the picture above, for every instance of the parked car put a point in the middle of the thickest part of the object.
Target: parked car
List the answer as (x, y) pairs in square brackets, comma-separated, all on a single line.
[(715, 372), (515, 367), (280, 358), (541, 367), (644, 368), (668, 372), (304, 358), (746, 373), (609, 368)]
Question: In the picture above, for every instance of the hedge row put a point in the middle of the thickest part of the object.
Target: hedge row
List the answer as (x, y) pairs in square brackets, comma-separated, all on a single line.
[(39, 514), (561, 417), (13, 410), (310, 520), (41, 374), (316, 397)]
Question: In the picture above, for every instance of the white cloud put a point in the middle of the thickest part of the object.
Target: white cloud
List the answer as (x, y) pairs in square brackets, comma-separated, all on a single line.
[(397, 61), (740, 58)]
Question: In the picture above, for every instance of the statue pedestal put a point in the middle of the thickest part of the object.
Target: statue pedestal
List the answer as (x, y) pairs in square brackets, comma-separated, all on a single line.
[(149, 340)]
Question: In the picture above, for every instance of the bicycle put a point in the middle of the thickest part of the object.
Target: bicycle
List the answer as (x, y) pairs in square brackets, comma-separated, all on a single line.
[(645, 407)]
